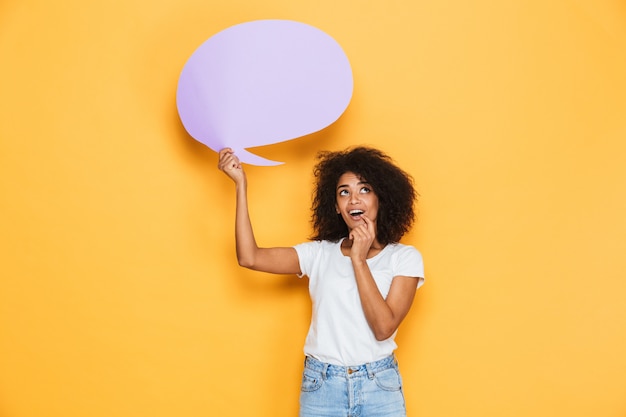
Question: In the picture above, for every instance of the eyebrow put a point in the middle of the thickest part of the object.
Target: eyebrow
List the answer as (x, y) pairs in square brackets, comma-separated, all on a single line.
[(358, 183)]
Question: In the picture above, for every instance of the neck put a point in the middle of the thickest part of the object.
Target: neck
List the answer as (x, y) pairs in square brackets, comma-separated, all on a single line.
[(376, 245)]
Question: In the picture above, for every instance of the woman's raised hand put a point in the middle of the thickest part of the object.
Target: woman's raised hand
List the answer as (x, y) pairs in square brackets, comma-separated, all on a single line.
[(230, 165), (362, 236)]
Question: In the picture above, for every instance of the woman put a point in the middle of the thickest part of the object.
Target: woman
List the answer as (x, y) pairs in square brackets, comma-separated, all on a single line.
[(361, 280)]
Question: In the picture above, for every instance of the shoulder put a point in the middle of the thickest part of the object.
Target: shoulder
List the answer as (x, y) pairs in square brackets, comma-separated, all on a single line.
[(406, 260), (315, 246), (402, 250), (315, 255)]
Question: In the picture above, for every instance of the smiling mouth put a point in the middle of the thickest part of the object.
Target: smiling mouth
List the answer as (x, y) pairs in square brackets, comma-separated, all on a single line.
[(355, 213)]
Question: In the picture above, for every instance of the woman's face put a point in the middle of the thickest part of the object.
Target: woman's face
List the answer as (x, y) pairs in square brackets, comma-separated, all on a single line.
[(354, 198)]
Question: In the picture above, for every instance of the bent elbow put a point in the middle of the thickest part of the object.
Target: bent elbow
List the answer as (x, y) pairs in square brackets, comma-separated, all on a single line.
[(245, 262), (384, 334)]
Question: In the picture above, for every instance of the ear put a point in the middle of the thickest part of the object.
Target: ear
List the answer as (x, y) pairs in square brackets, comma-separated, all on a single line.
[(337, 209)]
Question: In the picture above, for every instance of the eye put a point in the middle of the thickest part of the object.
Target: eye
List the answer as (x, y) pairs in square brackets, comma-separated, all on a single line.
[(343, 192), (365, 190)]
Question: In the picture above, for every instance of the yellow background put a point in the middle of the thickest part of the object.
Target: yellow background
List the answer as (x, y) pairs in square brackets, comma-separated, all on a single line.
[(119, 290)]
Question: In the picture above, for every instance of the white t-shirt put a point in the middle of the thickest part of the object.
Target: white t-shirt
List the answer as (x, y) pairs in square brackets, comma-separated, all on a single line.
[(339, 333)]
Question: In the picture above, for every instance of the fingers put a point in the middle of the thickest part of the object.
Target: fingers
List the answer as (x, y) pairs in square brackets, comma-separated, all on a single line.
[(368, 222), (362, 237), (361, 234), (361, 242), (365, 232), (230, 165), (369, 226), (228, 160)]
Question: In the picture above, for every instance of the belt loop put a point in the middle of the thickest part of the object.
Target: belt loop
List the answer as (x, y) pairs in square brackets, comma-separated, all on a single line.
[(370, 374), (325, 371)]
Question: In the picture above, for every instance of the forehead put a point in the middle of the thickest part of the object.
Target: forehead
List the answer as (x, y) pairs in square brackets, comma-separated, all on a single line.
[(349, 178)]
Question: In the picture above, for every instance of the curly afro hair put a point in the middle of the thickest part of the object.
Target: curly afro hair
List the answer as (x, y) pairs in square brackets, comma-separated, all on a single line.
[(393, 187)]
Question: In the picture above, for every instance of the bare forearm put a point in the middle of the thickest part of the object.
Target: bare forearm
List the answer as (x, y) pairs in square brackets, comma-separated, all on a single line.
[(249, 255), (244, 235), (277, 260), (378, 314)]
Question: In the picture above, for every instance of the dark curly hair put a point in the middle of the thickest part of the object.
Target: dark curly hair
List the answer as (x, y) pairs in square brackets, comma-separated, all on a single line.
[(393, 187)]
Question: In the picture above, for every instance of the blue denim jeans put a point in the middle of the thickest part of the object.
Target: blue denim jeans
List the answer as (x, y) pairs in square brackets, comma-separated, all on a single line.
[(369, 390)]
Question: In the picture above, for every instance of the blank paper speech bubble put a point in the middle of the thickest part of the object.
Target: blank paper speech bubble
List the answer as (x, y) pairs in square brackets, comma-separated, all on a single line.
[(263, 82)]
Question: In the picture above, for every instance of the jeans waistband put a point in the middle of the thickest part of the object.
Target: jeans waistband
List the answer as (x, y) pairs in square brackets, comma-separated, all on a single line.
[(369, 369)]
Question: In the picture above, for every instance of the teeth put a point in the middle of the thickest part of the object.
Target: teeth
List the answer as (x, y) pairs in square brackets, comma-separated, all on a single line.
[(356, 212)]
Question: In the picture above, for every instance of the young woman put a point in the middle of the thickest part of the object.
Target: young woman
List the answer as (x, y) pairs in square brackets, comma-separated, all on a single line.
[(361, 280)]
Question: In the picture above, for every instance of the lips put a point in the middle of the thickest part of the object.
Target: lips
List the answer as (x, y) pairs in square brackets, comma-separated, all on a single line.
[(355, 214)]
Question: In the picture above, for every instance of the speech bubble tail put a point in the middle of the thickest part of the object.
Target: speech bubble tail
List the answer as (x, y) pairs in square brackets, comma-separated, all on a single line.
[(252, 159)]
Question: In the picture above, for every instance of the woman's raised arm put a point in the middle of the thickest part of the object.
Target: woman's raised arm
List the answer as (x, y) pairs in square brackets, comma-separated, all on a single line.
[(277, 260)]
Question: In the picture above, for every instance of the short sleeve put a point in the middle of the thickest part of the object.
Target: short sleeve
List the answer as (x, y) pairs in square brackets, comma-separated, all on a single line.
[(408, 262), (307, 252)]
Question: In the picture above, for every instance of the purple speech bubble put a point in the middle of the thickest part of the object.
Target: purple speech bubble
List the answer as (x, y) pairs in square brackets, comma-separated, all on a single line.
[(263, 82)]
